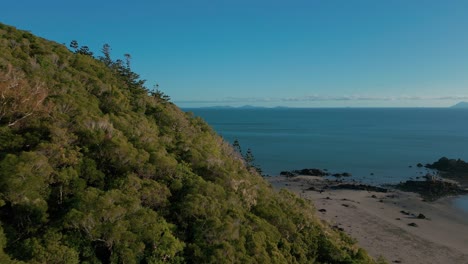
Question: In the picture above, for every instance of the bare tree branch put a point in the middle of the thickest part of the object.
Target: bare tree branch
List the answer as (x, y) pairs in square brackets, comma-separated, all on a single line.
[(19, 99)]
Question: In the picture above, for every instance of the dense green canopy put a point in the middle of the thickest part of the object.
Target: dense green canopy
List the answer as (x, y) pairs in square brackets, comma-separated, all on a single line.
[(95, 168)]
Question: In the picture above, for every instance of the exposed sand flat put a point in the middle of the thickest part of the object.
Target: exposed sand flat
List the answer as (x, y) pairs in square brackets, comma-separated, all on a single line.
[(375, 220)]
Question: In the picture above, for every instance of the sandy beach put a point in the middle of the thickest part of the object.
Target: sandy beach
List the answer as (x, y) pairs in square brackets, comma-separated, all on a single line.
[(397, 225)]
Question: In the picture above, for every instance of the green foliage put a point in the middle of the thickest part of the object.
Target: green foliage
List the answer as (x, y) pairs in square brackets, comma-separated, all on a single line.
[(248, 157), (5, 258), (122, 227), (50, 249), (109, 172), (74, 45)]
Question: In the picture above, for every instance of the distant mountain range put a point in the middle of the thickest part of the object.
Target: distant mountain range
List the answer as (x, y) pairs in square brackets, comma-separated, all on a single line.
[(241, 107), (460, 105)]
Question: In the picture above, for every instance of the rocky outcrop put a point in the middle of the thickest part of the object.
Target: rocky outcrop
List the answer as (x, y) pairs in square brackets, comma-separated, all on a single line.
[(445, 164), (306, 172), (359, 187), (344, 174), (432, 190), (287, 174), (311, 172)]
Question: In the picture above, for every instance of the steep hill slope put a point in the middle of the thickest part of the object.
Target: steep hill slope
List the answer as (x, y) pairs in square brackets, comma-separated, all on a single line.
[(94, 168)]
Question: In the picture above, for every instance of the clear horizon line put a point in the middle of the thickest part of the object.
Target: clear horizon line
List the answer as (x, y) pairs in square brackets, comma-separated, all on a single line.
[(247, 100), (315, 107)]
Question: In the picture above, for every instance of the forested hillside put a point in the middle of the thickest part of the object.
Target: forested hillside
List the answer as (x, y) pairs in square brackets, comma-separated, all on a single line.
[(96, 168)]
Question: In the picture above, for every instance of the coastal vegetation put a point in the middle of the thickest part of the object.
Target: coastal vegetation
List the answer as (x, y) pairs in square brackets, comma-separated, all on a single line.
[(97, 168)]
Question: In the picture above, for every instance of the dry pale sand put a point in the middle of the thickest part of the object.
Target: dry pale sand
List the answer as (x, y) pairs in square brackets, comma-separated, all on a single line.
[(375, 220)]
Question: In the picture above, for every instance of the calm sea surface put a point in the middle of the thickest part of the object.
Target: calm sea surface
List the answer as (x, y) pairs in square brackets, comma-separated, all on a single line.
[(377, 141), (384, 142)]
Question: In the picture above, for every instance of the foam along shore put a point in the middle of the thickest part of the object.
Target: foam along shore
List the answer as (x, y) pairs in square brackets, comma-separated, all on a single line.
[(397, 225)]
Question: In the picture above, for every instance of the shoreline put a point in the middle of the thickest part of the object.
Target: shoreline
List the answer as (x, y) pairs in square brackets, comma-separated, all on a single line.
[(386, 223)]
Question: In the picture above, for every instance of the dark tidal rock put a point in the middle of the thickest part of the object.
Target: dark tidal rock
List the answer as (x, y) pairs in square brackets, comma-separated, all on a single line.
[(307, 172), (336, 227), (344, 174), (455, 169), (311, 172), (287, 174), (449, 165), (432, 190), (429, 176), (360, 187)]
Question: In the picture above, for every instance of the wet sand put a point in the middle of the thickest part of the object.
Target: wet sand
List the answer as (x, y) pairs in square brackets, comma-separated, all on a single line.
[(387, 224)]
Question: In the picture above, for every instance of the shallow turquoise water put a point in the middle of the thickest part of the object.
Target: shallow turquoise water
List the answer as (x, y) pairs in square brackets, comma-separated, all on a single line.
[(382, 142), (462, 203)]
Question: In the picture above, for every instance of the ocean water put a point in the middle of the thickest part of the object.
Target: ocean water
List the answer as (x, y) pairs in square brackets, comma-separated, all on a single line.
[(461, 202), (375, 145)]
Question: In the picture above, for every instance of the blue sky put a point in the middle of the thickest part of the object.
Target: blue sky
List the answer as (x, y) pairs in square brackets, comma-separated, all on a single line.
[(325, 53)]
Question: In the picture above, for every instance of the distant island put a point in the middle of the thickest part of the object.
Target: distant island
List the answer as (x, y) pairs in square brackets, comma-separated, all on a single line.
[(240, 107), (460, 105)]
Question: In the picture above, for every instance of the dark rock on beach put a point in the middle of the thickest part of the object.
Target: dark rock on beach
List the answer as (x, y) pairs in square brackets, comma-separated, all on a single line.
[(311, 172), (361, 187), (287, 174), (344, 174), (306, 172), (429, 176), (336, 227), (421, 216), (432, 190)]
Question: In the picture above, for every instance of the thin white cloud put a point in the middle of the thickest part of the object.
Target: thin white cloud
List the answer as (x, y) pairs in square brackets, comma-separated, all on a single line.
[(322, 98)]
